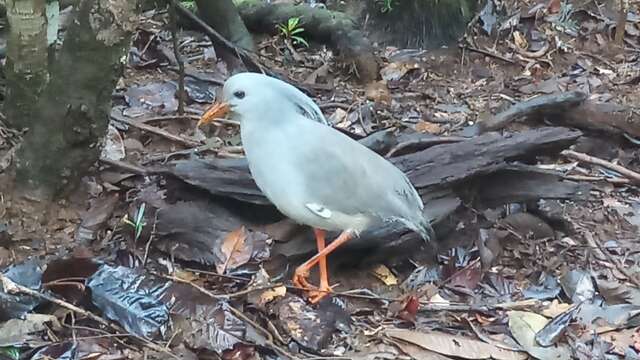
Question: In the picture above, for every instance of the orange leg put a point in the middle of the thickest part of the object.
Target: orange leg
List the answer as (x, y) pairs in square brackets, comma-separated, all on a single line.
[(302, 272), (324, 274)]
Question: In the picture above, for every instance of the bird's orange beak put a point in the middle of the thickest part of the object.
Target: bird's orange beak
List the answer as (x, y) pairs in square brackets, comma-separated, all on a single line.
[(217, 111)]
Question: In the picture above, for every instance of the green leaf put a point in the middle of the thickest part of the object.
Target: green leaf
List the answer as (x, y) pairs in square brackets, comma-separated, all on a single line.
[(300, 40), (297, 30), (140, 214), (293, 22), (11, 351)]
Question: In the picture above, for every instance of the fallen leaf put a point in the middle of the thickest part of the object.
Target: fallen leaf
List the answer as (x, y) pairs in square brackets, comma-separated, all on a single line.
[(555, 308), (520, 40), (554, 6), (270, 294), (377, 91), (396, 70), (114, 145), (235, 250), (428, 127), (454, 345), (418, 352), (385, 275), (524, 326), (467, 277)]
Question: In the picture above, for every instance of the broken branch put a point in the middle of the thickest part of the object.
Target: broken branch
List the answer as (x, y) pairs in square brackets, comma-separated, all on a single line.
[(630, 174)]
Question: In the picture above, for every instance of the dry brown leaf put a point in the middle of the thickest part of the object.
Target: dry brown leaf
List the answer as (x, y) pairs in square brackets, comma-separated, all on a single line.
[(419, 353), (378, 91), (428, 127), (385, 275), (555, 308), (554, 6), (520, 41), (235, 250), (453, 345), (270, 294)]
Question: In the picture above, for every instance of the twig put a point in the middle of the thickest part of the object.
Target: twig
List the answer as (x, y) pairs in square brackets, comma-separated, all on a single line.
[(13, 288), (176, 53), (169, 117), (603, 251), (485, 308), (152, 129), (616, 181), (221, 296), (630, 174), (488, 53)]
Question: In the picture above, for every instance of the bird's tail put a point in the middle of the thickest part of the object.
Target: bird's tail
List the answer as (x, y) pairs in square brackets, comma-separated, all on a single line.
[(424, 229)]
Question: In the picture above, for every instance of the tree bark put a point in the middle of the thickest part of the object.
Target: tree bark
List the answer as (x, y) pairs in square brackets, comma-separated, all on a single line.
[(26, 67), (223, 16), (71, 115)]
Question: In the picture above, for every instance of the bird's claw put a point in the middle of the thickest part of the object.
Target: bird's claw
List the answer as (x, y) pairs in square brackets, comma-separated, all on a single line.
[(314, 293)]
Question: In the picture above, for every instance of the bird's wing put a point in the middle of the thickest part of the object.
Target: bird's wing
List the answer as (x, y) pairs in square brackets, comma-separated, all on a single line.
[(343, 175)]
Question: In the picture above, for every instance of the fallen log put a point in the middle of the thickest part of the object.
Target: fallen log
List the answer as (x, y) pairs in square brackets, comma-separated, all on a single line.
[(437, 166), (536, 107), (565, 109)]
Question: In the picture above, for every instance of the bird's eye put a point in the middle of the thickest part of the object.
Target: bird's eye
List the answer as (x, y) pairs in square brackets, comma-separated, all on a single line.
[(239, 94)]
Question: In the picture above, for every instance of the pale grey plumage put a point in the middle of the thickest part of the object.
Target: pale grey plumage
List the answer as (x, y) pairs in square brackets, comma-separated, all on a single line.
[(314, 174)]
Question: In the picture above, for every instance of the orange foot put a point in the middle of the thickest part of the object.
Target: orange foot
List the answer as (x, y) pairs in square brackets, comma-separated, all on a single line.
[(314, 293)]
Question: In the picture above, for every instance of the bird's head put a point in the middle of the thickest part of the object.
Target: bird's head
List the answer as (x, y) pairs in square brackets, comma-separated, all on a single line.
[(247, 93)]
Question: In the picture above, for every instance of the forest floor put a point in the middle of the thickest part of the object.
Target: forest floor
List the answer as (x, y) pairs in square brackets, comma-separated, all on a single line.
[(166, 251)]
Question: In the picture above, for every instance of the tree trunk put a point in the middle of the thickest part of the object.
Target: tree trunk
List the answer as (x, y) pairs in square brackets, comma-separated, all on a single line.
[(72, 113), (222, 15), (26, 67)]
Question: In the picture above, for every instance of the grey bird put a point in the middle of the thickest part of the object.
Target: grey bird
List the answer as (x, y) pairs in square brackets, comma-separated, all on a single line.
[(312, 173)]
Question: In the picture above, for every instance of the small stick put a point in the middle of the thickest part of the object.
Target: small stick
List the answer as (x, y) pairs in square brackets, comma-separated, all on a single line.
[(13, 288), (488, 53), (603, 251), (176, 53), (630, 174), (616, 181), (152, 129)]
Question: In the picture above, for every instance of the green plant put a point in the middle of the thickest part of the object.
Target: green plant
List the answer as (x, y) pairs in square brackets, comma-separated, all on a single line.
[(386, 6), (11, 352), (189, 4), (138, 223), (292, 31)]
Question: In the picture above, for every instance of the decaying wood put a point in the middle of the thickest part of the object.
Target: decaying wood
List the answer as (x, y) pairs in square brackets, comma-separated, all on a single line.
[(605, 117), (453, 163), (522, 183), (566, 109), (440, 165), (224, 177), (538, 107)]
